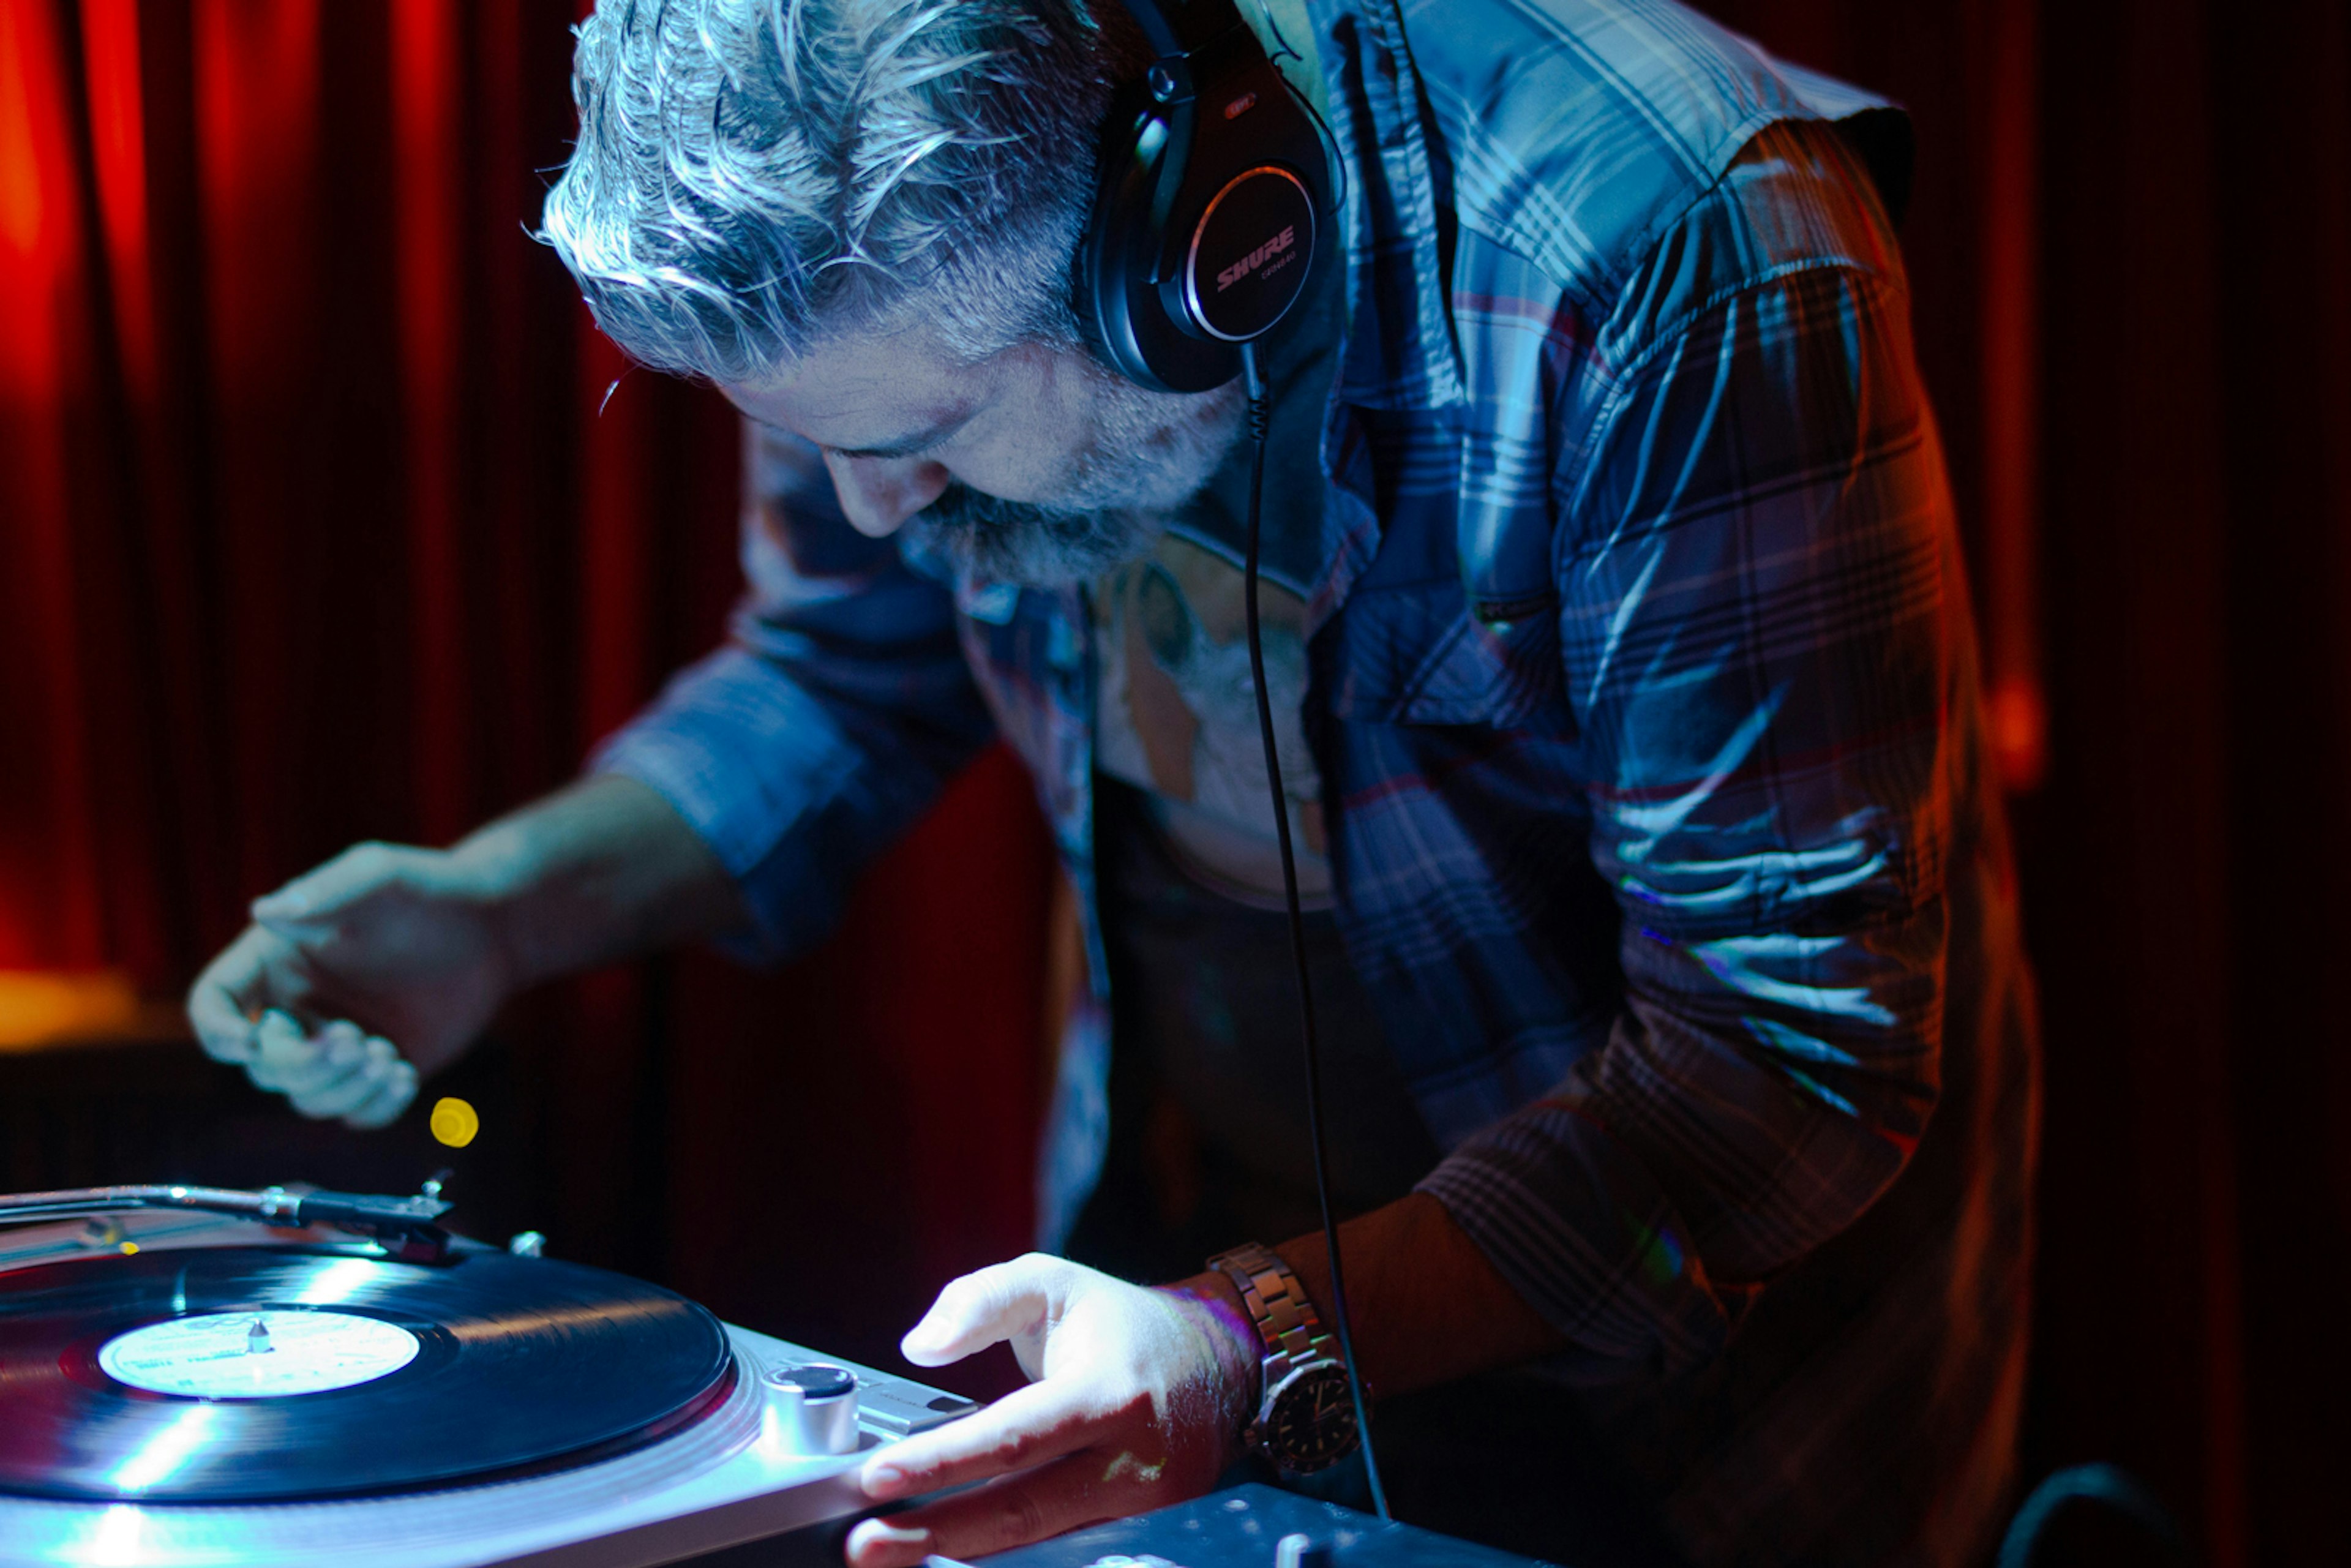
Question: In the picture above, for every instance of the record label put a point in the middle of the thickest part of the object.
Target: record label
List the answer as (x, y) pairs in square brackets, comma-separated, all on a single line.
[(257, 1355)]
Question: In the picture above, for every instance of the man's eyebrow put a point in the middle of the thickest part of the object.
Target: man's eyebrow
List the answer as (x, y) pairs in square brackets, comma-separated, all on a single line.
[(907, 445)]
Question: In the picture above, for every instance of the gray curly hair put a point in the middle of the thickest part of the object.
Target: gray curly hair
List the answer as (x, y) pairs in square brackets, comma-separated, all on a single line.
[(754, 174)]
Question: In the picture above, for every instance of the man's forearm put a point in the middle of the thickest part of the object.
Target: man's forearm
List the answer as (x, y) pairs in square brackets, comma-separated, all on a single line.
[(603, 869), (1428, 1307)]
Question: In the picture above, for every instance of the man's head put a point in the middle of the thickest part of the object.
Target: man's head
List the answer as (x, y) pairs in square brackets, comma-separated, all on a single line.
[(857, 218)]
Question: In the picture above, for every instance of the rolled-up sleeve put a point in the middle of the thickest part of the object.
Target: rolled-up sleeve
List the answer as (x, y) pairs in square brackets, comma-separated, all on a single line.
[(827, 723), (1759, 627)]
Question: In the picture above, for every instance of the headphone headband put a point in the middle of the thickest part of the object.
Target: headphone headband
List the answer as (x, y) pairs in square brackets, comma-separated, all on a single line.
[(1180, 26)]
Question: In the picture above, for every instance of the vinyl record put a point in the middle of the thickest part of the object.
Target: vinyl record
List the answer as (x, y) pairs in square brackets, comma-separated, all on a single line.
[(253, 1374)]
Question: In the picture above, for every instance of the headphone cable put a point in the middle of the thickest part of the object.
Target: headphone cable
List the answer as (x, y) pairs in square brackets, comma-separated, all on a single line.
[(1258, 422)]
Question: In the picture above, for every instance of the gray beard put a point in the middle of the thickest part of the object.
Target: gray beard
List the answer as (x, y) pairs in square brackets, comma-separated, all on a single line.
[(1150, 453), (993, 540)]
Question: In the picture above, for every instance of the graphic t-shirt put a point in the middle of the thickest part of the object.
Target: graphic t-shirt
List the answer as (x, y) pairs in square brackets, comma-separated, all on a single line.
[(1175, 709), (1178, 719), (1209, 1140)]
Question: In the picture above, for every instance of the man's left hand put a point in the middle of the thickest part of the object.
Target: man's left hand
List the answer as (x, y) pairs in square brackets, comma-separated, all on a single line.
[(1137, 1399)]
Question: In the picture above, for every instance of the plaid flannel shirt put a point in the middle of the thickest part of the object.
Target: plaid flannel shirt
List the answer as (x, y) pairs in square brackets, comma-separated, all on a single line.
[(1643, 689)]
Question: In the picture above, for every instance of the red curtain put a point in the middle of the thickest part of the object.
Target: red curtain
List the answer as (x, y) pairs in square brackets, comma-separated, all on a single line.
[(2131, 252), (318, 525), (325, 515)]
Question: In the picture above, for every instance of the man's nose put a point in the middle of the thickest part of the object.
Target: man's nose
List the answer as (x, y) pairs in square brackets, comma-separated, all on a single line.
[(879, 494)]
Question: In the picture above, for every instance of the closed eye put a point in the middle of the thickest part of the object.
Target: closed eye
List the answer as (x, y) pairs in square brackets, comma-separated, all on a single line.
[(886, 453), (913, 445)]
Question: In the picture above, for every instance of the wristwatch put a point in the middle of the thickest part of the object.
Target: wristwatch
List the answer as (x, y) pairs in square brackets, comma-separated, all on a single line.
[(1306, 1416)]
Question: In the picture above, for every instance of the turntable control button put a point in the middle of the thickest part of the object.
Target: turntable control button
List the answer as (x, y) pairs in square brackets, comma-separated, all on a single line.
[(812, 1410), (815, 1381)]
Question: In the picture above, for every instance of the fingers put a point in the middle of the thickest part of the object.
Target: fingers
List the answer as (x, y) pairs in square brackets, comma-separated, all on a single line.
[(310, 904), (1126, 1415), (221, 1002), (336, 1072), (362, 1064), (1083, 1488), (243, 1007), (289, 1060), (253, 973), (999, 1302), (1026, 1427), (394, 1094)]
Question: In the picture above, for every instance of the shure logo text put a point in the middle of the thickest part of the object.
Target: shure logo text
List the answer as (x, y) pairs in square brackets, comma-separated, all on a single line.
[(1257, 258)]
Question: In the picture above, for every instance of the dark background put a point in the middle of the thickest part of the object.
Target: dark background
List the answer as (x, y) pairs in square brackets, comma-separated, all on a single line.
[(318, 524)]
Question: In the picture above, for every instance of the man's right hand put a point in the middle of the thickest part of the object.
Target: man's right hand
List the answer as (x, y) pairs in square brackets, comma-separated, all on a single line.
[(381, 965), (387, 961)]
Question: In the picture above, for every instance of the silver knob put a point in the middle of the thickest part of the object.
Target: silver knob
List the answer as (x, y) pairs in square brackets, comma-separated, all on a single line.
[(526, 1244), (812, 1410), (1301, 1550)]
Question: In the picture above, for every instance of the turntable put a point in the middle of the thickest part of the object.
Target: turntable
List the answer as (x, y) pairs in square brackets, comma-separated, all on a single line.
[(199, 1377)]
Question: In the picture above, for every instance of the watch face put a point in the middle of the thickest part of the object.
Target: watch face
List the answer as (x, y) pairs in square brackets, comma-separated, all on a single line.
[(1310, 1424)]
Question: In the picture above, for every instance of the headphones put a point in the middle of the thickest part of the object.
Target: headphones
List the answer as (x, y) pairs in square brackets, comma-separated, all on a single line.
[(1213, 187), (1212, 193)]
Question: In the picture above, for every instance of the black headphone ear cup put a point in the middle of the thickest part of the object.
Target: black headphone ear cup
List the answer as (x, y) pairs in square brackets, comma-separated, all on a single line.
[(1140, 171), (1246, 261), (1213, 184)]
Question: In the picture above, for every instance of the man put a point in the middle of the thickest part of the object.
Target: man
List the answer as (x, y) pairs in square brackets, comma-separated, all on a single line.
[(1681, 1057)]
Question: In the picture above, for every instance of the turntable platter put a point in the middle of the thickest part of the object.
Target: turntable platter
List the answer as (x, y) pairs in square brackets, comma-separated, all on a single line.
[(264, 1374)]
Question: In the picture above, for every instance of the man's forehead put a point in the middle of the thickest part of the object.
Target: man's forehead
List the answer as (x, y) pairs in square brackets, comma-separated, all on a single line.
[(862, 392)]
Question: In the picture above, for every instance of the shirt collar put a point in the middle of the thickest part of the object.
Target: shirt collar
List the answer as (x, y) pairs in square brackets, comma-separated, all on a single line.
[(1399, 351)]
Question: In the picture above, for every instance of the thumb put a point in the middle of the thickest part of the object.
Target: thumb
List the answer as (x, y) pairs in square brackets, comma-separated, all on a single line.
[(978, 1310), (323, 895)]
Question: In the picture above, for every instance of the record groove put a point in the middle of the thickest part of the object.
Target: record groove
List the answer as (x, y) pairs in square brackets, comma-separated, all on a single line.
[(518, 1363)]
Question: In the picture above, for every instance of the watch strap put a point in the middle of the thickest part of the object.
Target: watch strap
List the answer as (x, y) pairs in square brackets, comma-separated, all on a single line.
[(1296, 1345), (1278, 1305)]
